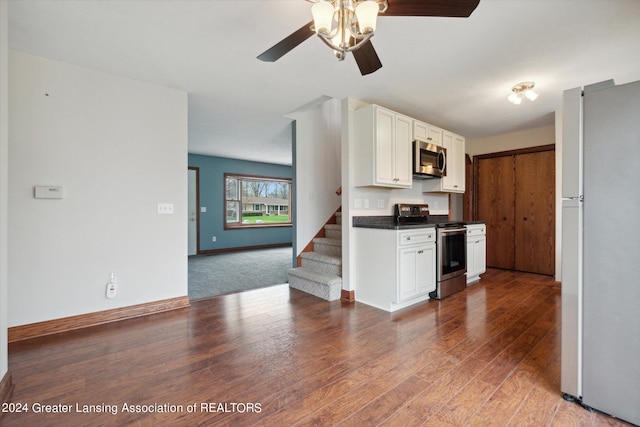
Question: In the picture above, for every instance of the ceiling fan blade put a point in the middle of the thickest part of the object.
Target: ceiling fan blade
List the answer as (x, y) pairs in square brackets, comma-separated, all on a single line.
[(281, 48), (448, 8), (367, 58)]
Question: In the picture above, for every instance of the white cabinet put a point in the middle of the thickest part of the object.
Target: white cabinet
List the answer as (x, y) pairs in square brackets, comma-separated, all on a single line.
[(395, 269), (476, 252), (383, 148), (453, 182), (426, 132), (416, 273)]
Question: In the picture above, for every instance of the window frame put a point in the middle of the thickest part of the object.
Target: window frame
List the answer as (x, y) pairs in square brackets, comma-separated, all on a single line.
[(239, 225)]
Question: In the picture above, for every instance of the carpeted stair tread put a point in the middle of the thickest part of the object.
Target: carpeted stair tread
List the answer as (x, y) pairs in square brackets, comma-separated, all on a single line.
[(325, 286), (327, 259), (329, 279), (327, 241)]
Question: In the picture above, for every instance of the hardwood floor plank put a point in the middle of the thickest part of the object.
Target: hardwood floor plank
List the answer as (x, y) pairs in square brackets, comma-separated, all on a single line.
[(488, 355)]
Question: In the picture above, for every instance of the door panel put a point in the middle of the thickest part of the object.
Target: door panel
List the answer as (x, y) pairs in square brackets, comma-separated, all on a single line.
[(535, 212), (496, 183)]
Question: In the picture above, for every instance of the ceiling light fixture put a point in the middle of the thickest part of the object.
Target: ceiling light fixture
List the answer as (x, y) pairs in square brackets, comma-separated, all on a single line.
[(345, 25), (522, 90)]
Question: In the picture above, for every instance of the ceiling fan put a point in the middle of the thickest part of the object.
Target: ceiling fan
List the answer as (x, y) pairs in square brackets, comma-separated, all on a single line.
[(344, 25)]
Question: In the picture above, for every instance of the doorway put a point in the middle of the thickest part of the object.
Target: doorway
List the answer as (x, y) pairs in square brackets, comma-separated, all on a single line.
[(194, 212), (515, 195)]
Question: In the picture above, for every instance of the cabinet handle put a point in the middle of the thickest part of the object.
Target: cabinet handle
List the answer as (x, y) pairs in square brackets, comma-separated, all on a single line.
[(408, 238), (429, 138), (420, 252)]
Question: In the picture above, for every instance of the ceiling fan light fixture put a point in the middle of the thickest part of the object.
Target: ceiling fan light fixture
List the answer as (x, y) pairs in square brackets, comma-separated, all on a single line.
[(345, 25), (322, 13), (367, 15), (522, 90)]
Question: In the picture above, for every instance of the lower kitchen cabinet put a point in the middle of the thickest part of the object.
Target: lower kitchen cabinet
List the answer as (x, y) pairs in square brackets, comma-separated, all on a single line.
[(395, 268), (476, 252)]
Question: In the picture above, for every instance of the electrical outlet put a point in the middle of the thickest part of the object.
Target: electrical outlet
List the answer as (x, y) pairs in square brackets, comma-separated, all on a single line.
[(213, 239), (112, 290), (112, 286)]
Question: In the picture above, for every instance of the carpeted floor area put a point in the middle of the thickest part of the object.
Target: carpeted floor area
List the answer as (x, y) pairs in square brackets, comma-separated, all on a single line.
[(226, 273)]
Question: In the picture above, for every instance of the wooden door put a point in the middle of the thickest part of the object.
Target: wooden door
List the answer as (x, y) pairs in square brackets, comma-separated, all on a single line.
[(495, 206), (515, 196), (535, 212)]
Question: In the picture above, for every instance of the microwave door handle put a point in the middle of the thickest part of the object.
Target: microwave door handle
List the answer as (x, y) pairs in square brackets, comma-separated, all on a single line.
[(444, 161)]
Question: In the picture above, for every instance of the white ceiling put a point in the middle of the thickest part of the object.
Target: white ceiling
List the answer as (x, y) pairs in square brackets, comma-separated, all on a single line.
[(455, 73)]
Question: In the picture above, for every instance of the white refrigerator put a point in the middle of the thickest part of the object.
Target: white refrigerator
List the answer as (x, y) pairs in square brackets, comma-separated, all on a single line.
[(600, 365)]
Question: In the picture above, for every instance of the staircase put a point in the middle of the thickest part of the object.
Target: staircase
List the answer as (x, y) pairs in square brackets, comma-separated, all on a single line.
[(320, 271)]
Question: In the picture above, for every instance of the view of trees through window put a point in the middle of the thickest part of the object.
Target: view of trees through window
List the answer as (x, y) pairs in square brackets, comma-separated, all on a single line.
[(257, 201)]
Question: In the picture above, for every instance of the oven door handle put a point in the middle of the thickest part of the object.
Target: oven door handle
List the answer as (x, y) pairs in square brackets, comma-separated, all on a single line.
[(452, 230)]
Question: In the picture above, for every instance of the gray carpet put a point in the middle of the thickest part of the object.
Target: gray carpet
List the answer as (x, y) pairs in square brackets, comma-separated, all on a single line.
[(226, 273)]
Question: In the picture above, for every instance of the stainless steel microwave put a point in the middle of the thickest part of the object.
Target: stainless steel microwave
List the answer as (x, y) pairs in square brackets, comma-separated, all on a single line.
[(429, 160)]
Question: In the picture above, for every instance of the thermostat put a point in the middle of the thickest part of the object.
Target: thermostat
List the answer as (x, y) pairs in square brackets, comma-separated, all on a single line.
[(47, 192)]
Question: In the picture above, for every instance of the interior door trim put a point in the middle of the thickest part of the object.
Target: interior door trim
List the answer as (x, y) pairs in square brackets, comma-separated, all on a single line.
[(197, 171)]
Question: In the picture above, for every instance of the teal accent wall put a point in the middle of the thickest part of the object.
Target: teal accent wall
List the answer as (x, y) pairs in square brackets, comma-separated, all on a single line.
[(212, 170)]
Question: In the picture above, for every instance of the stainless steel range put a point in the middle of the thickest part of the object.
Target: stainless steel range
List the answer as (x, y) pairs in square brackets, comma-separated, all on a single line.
[(451, 243)]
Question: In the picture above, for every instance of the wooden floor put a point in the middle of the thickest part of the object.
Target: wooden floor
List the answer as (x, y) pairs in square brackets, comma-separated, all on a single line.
[(488, 356)]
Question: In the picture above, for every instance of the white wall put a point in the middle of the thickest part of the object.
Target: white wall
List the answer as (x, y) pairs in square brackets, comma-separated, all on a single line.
[(511, 141), (118, 147), (318, 161), (4, 188)]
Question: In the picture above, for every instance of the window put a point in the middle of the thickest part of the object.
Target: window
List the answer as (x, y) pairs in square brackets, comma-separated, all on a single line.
[(253, 201)]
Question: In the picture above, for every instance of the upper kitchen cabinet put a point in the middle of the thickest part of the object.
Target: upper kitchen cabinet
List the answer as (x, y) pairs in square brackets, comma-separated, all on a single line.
[(427, 133), (453, 181), (382, 140)]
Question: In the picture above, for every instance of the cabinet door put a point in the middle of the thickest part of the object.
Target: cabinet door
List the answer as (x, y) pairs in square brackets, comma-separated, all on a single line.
[(454, 180), (426, 132), (426, 269), (407, 274), (385, 129), (420, 130), (471, 257), (458, 158), (416, 271), (476, 256), (403, 172), (480, 254)]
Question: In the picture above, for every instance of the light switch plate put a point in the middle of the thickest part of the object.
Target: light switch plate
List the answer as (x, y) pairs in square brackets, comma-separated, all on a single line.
[(165, 208)]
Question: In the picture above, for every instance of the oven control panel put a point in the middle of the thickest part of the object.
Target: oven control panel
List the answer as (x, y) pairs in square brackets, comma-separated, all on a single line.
[(411, 210)]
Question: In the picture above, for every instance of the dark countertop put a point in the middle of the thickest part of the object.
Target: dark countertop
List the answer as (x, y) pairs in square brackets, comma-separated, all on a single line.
[(389, 222)]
